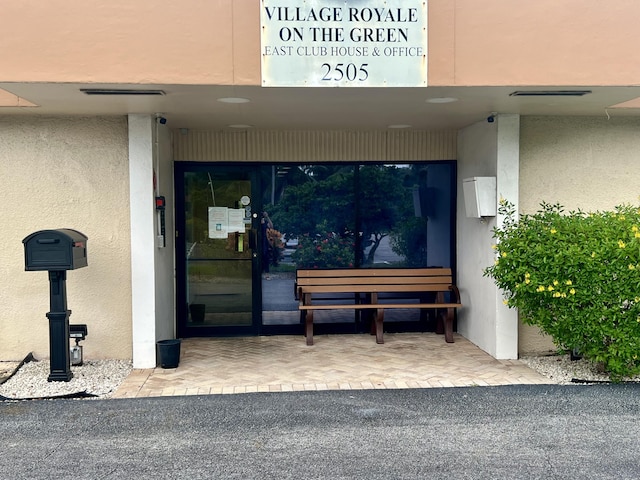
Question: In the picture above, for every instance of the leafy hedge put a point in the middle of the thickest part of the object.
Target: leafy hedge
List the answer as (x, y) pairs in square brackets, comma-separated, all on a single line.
[(577, 277)]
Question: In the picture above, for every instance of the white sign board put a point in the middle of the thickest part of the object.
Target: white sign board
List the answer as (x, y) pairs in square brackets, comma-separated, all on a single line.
[(344, 43)]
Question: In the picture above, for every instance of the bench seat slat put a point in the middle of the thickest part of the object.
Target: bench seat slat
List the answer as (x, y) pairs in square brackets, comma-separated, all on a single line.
[(374, 280), (373, 272), (373, 306), (374, 288)]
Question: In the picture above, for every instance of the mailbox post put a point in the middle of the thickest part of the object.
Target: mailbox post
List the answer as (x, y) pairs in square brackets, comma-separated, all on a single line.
[(57, 251)]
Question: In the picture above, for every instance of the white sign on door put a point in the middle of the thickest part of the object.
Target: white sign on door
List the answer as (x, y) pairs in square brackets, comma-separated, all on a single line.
[(344, 43)]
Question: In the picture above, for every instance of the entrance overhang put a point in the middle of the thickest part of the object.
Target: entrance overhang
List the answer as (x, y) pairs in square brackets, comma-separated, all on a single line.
[(200, 106)]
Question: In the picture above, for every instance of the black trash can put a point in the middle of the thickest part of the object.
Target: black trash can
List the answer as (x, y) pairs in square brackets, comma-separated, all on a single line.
[(169, 351)]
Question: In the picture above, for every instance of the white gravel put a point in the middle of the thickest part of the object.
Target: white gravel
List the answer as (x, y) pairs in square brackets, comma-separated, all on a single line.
[(562, 370), (95, 378)]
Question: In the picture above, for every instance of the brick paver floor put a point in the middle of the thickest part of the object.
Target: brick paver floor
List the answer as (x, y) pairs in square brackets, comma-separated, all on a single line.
[(335, 362)]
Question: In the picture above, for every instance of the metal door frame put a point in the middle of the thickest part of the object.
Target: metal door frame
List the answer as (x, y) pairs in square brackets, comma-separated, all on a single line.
[(182, 328)]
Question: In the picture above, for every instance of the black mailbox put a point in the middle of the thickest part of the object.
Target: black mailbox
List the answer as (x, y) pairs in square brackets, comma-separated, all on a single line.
[(62, 249), (57, 251)]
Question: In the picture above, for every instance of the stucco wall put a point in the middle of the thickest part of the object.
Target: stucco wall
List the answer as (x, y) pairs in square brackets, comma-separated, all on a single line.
[(581, 162), (164, 257), (65, 173)]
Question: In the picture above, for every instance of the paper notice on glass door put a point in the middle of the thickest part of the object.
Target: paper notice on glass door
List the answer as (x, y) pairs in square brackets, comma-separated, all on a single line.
[(236, 220), (218, 222)]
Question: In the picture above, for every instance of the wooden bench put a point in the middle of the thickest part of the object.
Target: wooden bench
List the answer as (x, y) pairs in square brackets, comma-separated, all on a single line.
[(360, 289)]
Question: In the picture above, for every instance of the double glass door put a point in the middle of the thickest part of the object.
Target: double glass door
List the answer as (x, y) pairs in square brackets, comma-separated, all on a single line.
[(242, 230), (216, 247)]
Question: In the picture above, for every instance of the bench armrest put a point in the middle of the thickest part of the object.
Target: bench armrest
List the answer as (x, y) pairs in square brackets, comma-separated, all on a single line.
[(455, 293)]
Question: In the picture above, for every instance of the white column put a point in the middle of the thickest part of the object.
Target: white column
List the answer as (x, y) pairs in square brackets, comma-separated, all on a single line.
[(508, 168), (486, 149), (142, 211)]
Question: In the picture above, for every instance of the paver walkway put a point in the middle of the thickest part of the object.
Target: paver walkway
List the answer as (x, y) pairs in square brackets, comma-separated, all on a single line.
[(335, 362)]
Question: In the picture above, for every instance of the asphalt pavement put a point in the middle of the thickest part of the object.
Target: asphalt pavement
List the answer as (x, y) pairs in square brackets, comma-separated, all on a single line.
[(511, 432)]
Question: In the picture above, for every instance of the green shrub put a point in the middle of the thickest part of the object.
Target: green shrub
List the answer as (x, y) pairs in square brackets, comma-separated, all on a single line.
[(577, 277)]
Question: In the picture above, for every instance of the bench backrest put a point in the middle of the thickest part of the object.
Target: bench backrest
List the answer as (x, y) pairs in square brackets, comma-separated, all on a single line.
[(375, 279)]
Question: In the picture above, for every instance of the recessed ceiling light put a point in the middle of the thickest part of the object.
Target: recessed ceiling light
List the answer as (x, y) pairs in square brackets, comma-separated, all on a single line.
[(399, 125), (240, 125), (233, 100), (442, 100)]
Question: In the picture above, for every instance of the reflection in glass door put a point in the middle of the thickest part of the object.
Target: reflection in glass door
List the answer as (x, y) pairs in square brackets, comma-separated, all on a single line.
[(349, 215), (216, 254)]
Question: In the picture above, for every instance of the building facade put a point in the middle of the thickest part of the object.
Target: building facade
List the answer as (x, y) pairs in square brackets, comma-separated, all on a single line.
[(105, 108)]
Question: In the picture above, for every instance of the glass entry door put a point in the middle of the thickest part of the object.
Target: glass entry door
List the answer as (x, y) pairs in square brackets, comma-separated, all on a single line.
[(216, 254)]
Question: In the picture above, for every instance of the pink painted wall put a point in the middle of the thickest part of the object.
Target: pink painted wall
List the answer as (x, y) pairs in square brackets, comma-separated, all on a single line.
[(534, 42), (124, 41), (471, 42)]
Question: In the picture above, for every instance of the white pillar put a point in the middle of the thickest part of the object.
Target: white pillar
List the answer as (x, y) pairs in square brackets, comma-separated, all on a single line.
[(141, 199), (486, 149), (508, 168)]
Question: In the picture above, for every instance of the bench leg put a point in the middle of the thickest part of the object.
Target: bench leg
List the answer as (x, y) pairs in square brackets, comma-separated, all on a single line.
[(379, 321), (445, 322), (308, 326)]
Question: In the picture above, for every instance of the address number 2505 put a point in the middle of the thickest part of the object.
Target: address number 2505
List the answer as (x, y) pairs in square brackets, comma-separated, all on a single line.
[(345, 71)]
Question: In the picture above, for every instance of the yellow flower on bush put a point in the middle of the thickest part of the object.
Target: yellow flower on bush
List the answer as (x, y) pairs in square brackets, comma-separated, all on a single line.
[(550, 288), (634, 228), (593, 254), (540, 288), (632, 266), (621, 244), (504, 254), (557, 294), (556, 283), (572, 291), (569, 282), (553, 230)]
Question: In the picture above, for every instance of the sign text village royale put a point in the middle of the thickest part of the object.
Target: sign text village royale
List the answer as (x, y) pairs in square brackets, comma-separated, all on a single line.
[(336, 32)]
